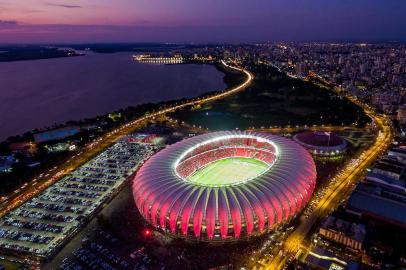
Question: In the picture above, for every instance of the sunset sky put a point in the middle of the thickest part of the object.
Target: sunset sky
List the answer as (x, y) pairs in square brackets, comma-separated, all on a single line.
[(24, 21)]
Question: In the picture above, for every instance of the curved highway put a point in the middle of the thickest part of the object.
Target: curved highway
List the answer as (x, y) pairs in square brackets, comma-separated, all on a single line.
[(39, 184), (342, 185)]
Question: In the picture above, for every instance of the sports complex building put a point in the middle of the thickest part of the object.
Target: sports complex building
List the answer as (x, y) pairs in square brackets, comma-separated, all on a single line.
[(325, 144), (224, 185)]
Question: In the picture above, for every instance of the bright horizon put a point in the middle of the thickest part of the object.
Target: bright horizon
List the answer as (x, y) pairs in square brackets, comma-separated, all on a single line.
[(87, 21)]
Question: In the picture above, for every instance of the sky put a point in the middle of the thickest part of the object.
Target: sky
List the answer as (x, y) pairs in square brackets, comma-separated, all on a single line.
[(82, 21)]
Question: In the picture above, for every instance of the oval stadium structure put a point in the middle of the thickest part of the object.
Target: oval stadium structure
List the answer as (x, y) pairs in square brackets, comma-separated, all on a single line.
[(321, 143), (224, 185)]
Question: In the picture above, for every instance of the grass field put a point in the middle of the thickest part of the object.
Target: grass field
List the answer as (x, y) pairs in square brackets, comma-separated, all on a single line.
[(228, 171)]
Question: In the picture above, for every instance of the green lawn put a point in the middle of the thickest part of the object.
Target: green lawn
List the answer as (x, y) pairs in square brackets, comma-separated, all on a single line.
[(228, 171)]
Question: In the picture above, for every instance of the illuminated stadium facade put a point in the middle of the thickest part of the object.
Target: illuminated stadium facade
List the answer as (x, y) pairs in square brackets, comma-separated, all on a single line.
[(224, 185)]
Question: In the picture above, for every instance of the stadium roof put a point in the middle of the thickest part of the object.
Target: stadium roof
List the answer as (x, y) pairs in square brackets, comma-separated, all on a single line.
[(185, 208), (322, 141)]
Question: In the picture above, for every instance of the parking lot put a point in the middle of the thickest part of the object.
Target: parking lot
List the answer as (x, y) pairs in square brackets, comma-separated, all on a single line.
[(100, 252), (42, 224)]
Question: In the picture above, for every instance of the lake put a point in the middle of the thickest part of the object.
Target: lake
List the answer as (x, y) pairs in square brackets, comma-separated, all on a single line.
[(40, 93)]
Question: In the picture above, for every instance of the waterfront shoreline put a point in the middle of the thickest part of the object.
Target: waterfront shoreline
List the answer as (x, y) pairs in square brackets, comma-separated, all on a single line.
[(110, 137), (97, 84), (29, 133)]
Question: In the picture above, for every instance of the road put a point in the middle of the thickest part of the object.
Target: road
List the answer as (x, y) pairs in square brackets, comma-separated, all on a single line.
[(340, 188), (92, 149)]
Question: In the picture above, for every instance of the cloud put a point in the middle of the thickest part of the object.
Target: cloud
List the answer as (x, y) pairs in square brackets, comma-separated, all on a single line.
[(64, 5), (8, 22), (65, 33)]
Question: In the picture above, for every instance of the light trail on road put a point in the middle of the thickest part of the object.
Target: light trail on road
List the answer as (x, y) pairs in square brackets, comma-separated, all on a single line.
[(338, 191), (93, 148)]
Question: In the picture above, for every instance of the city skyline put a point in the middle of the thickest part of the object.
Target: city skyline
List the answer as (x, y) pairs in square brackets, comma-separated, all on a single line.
[(232, 134), (83, 21)]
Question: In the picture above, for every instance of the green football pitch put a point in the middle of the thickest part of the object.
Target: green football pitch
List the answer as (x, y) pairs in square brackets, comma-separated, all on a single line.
[(228, 171)]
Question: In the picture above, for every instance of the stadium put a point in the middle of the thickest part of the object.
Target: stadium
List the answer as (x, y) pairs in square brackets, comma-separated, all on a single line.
[(224, 185), (321, 143)]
